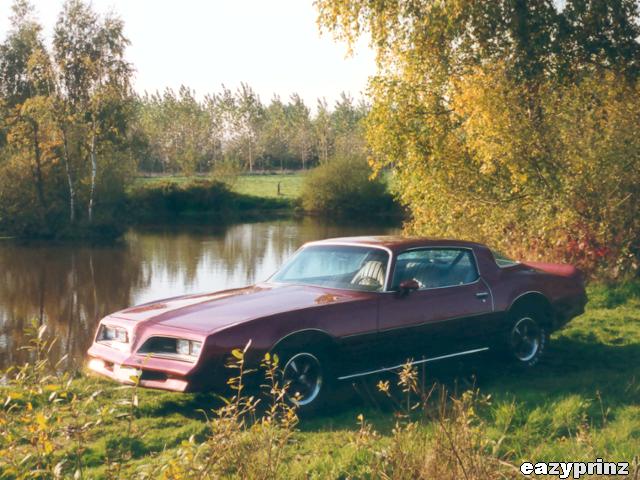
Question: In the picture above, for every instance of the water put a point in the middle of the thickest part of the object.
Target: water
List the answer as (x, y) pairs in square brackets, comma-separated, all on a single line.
[(71, 287)]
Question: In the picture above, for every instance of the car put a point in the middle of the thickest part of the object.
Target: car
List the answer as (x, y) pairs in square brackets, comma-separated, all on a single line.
[(344, 308)]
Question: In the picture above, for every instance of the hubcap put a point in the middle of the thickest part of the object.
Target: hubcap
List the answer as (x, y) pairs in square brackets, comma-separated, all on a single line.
[(525, 339), (303, 374)]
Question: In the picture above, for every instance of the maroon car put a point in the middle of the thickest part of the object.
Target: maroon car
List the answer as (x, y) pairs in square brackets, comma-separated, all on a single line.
[(343, 308)]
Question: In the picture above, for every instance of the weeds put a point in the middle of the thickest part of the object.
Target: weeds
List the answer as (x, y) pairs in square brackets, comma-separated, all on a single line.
[(436, 435), (245, 438)]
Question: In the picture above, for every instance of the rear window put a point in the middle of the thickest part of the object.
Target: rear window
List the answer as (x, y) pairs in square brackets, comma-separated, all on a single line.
[(502, 260)]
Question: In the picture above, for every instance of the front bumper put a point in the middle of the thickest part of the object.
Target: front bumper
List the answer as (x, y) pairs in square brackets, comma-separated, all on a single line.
[(145, 371), (130, 376)]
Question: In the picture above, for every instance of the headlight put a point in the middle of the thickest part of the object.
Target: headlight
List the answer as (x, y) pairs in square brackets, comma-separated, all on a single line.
[(110, 333), (180, 348)]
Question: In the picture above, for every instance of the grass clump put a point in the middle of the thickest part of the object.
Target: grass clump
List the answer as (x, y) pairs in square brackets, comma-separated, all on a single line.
[(613, 295)]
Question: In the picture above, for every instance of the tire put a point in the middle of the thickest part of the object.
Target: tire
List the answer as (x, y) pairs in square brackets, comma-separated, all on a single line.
[(309, 378), (527, 337)]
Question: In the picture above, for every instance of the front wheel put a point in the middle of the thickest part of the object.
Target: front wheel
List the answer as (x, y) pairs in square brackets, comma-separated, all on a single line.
[(308, 378), (528, 339)]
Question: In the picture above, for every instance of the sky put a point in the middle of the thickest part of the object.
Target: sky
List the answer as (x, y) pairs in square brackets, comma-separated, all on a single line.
[(274, 46)]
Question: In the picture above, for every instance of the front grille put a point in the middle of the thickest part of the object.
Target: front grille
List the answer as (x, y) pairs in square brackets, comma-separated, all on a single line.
[(153, 375)]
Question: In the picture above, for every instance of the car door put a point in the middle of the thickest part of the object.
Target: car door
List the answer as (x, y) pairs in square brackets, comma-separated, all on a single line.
[(447, 315)]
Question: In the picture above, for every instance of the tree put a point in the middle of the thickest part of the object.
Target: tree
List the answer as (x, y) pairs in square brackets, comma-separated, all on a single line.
[(179, 131), (64, 128), (93, 81), (247, 120), (347, 127), (474, 109), (300, 129), (25, 86), (275, 135), (323, 132)]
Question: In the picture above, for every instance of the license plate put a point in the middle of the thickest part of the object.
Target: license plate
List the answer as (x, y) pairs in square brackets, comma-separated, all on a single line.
[(128, 374)]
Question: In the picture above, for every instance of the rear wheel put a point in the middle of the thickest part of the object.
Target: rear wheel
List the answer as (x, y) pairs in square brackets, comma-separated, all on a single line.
[(528, 338)]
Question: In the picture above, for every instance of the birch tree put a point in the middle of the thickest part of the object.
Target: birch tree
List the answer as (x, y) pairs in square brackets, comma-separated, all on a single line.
[(93, 78)]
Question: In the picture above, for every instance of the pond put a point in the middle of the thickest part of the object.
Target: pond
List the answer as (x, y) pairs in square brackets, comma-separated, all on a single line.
[(70, 287)]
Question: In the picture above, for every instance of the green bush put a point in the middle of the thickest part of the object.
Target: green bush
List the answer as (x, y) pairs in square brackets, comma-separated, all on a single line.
[(173, 198), (343, 187), (24, 214)]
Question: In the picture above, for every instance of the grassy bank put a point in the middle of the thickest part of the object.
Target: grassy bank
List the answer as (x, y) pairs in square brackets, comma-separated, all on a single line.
[(157, 198), (258, 185), (581, 403), (337, 190)]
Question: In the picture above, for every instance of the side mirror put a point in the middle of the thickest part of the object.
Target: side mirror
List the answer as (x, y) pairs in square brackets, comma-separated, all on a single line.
[(408, 286)]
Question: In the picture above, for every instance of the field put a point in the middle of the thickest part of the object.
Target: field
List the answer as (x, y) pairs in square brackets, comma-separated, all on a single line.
[(581, 403), (257, 185)]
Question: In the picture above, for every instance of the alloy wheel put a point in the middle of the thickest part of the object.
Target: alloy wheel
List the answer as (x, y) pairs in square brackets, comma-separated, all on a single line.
[(526, 338), (303, 374)]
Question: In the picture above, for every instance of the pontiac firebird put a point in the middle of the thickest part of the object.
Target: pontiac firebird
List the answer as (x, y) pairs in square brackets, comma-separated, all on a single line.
[(344, 308)]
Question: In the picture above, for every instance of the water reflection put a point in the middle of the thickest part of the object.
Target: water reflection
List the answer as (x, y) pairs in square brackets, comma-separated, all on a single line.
[(70, 287)]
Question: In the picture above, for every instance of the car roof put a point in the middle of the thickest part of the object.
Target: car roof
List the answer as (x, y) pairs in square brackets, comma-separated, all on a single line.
[(397, 243)]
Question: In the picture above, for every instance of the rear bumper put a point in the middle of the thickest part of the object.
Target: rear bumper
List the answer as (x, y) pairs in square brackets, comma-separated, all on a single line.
[(569, 309)]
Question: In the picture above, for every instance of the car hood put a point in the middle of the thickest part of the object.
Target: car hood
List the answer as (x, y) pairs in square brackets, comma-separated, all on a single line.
[(209, 312)]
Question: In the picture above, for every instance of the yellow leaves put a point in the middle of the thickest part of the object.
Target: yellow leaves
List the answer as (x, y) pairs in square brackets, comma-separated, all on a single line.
[(383, 386), (41, 420), (48, 447), (237, 353)]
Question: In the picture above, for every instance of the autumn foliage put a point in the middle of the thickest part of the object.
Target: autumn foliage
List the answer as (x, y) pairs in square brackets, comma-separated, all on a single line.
[(514, 123)]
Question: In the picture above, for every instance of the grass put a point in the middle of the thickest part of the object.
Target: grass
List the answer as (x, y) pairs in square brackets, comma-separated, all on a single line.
[(580, 403), (265, 186)]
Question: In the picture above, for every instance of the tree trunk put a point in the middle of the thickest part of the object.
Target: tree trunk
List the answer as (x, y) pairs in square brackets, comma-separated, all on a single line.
[(94, 171), (303, 154), (37, 173), (67, 168)]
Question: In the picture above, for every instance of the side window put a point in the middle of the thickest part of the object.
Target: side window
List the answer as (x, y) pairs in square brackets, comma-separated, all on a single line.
[(502, 260), (436, 267)]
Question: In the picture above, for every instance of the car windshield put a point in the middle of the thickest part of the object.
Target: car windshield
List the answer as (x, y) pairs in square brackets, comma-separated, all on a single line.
[(336, 266)]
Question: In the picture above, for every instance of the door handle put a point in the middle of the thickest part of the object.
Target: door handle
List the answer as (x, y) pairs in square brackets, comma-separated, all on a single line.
[(482, 294)]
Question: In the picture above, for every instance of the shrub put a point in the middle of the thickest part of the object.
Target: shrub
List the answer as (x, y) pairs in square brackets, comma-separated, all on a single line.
[(167, 198), (343, 187)]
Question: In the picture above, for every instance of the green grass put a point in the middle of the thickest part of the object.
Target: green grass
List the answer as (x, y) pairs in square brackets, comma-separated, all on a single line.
[(581, 402), (265, 186)]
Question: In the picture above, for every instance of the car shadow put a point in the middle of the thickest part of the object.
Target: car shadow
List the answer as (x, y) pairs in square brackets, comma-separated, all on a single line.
[(579, 365), (571, 365)]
